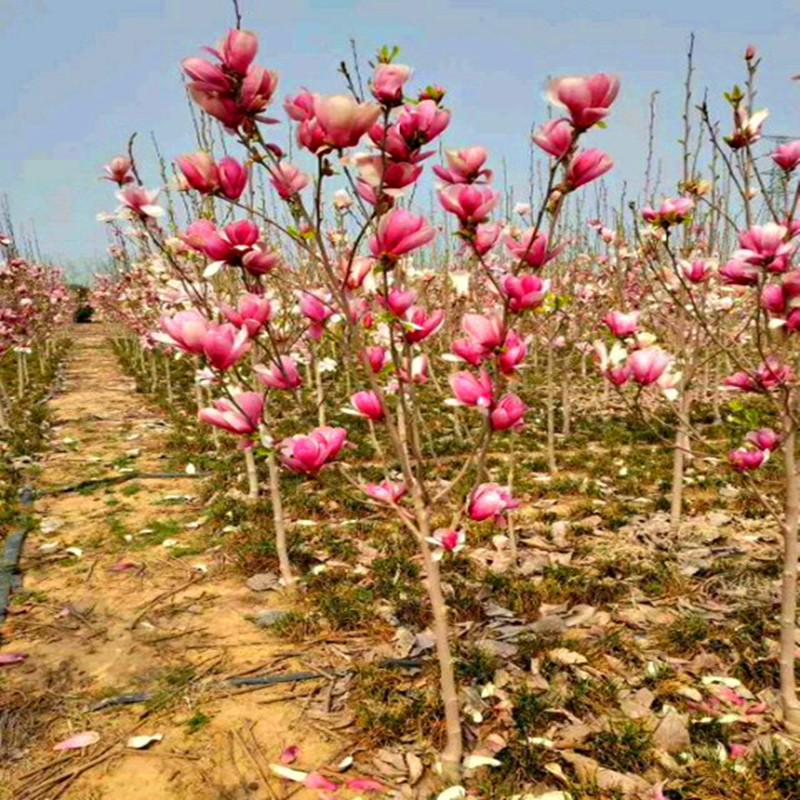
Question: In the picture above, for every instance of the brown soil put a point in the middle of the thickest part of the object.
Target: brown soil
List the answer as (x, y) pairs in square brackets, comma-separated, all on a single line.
[(91, 632)]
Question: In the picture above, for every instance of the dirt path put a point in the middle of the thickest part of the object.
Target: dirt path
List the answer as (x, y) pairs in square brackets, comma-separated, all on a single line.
[(143, 604)]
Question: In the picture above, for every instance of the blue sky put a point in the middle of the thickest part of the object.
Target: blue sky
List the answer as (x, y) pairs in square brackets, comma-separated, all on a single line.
[(82, 75)]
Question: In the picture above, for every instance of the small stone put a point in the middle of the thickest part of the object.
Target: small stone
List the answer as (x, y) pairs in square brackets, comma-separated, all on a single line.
[(558, 532), (672, 734), (266, 618), (263, 582)]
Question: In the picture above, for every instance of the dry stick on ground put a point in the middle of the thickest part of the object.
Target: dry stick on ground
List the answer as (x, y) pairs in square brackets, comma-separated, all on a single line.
[(163, 596)]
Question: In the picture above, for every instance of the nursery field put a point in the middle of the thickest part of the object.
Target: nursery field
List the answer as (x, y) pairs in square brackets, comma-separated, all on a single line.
[(348, 475)]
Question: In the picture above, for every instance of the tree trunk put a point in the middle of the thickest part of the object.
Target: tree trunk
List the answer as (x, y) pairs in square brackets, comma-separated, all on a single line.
[(281, 544), (791, 552)]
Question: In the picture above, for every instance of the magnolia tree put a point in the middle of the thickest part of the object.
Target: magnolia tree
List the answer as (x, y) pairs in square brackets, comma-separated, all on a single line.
[(343, 271), (743, 313), (35, 304)]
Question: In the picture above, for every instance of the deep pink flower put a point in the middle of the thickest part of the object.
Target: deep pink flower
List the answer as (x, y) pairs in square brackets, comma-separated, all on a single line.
[(512, 354), (524, 291), (671, 212), (308, 454), (743, 460), (696, 271), (420, 325), (398, 301), (288, 180), (647, 365), (764, 439), (300, 107), (787, 156), (367, 404), (186, 329), (739, 273), (232, 178), (200, 172), (491, 500), (241, 416), (423, 122), (531, 248), (224, 345), (555, 137), (252, 313), (587, 98), (399, 232), (487, 330), (622, 325), (471, 203), (385, 491), (388, 81), (377, 357), (766, 246), (507, 413), (586, 166), (118, 170), (447, 540), (468, 350), (486, 237), (344, 120), (464, 166), (237, 51), (282, 374), (140, 201), (470, 390)]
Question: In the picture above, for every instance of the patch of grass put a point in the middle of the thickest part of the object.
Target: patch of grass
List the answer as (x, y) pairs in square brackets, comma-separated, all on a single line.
[(626, 746), (684, 636), (476, 664), (197, 722), (387, 711), (570, 584)]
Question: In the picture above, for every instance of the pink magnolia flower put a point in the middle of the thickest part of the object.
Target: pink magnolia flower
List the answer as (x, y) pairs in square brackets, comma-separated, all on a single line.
[(237, 51), (200, 171), (487, 330), (224, 345), (696, 271), (622, 325), (739, 273), (399, 232), (118, 170), (764, 439), (317, 309), (470, 390), (531, 248), (308, 454), (447, 540), (471, 203), (486, 236), (746, 128), (232, 178), (241, 416), (766, 246), (586, 166), (512, 353), (671, 212), (647, 365), (468, 350), (186, 329), (524, 291), (415, 370), (787, 156), (507, 413), (587, 98), (398, 301), (555, 137), (140, 201), (422, 122), (388, 81), (377, 357), (743, 459), (260, 261), (464, 166), (367, 404), (618, 375), (300, 107), (490, 500), (288, 180), (740, 382), (386, 491), (281, 374), (252, 313), (419, 325), (344, 120)]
